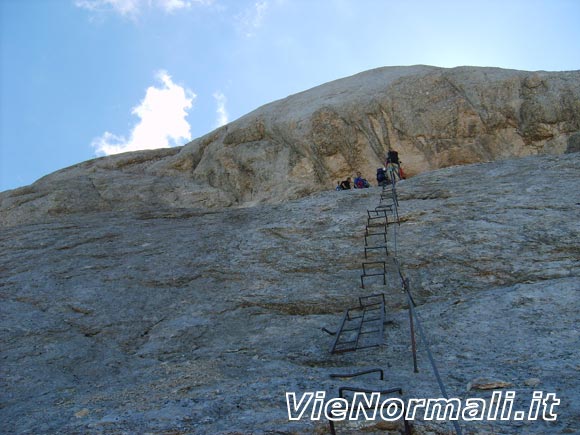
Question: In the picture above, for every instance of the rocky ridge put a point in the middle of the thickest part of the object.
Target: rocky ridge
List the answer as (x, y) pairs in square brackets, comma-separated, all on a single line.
[(180, 321), (290, 148)]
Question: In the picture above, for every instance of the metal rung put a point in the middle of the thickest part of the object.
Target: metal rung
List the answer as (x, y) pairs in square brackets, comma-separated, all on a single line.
[(366, 274), (368, 248), (350, 341), (353, 332), (374, 274), (369, 332), (381, 297), (369, 263), (351, 329), (384, 235), (377, 214), (375, 319), (368, 229)]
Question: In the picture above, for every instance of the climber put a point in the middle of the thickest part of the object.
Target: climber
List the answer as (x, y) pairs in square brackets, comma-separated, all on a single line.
[(382, 177), (360, 182), (393, 160), (393, 157), (345, 185)]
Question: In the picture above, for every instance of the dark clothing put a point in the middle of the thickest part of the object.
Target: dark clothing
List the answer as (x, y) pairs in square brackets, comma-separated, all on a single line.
[(381, 176), (345, 185)]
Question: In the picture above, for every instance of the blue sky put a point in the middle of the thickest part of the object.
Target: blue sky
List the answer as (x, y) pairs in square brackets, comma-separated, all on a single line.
[(82, 78)]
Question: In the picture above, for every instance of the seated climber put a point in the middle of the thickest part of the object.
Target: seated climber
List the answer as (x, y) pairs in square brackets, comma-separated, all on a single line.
[(360, 182), (345, 185)]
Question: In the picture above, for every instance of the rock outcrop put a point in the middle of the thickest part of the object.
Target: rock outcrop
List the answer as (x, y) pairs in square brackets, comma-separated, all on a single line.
[(175, 321), (304, 143)]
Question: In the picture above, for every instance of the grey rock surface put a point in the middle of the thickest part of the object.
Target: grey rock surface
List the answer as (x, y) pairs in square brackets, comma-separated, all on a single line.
[(304, 143), (179, 321)]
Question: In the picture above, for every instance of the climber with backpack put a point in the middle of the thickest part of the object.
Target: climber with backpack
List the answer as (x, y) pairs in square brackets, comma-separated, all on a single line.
[(393, 163), (393, 157), (382, 176), (360, 182)]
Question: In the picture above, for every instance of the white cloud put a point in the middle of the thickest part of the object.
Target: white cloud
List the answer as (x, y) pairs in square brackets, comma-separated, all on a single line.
[(132, 8), (252, 18), (162, 123), (172, 5), (123, 7), (222, 114)]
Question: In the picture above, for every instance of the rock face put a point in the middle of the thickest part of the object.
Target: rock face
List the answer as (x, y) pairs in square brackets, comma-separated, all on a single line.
[(304, 143), (180, 321)]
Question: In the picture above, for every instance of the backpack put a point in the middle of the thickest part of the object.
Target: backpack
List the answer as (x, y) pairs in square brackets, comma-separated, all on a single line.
[(381, 176), (393, 157), (402, 174)]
